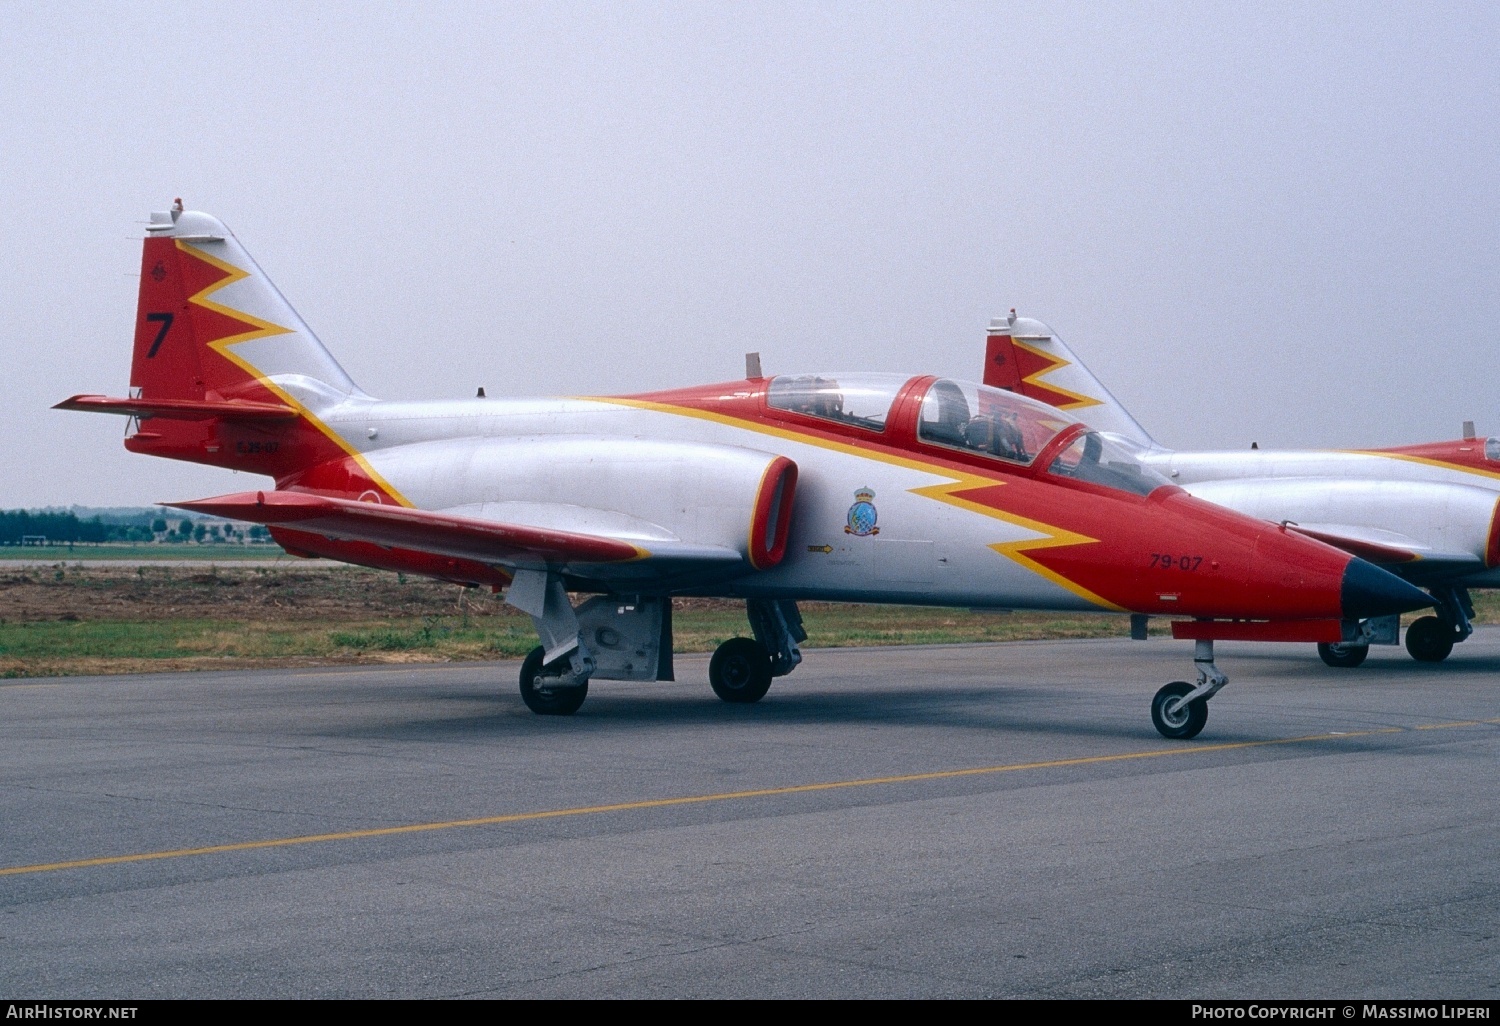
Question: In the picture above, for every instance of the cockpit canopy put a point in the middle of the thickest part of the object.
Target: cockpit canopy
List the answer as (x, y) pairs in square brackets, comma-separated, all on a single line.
[(863, 400), (989, 421), (970, 417)]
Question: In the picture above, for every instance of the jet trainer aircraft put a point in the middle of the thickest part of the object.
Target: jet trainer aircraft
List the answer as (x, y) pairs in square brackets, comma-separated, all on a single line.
[(1429, 513), (851, 487)]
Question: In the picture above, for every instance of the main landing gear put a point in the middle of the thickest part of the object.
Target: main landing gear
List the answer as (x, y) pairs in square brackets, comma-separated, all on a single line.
[(1430, 639), (740, 671), (1180, 709), (614, 637), (742, 668), (550, 690), (1344, 655), (609, 637)]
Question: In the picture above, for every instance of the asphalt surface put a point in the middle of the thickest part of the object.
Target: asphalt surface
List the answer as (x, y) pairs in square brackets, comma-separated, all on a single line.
[(1332, 833)]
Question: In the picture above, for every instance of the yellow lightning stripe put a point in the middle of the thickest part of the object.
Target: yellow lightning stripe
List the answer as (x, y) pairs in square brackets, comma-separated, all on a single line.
[(265, 329), (1055, 537), (958, 482), (1054, 364), (1429, 461)]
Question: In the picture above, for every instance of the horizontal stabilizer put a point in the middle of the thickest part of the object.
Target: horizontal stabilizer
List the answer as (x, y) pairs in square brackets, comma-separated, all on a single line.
[(463, 537), (178, 409)]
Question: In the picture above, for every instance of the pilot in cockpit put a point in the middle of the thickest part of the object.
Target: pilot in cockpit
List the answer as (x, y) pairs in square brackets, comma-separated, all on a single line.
[(827, 400), (997, 435)]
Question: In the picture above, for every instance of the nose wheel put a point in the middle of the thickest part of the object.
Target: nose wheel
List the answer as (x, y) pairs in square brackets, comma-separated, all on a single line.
[(1180, 709), (1175, 718)]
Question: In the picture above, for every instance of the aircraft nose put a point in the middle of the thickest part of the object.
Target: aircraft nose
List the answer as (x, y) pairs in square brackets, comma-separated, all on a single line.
[(1370, 591)]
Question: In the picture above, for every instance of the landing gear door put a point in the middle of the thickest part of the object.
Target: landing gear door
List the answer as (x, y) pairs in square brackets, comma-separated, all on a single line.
[(625, 636)]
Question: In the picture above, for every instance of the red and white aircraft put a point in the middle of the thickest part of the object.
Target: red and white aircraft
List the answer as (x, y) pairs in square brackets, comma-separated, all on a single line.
[(852, 487), (1429, 513)]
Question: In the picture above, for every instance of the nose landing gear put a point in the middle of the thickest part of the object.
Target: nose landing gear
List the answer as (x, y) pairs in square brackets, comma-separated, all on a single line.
[(1180, 709)]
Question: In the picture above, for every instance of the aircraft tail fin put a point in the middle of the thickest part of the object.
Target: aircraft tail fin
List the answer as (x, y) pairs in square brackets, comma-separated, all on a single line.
[(211, 326), (224, 372), (1023, 355)]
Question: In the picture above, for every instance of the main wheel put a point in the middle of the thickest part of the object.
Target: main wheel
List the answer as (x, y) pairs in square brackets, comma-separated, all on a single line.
[(1343, 655), (740, 670), (1429, 640), (542, 699), (1186, 721)]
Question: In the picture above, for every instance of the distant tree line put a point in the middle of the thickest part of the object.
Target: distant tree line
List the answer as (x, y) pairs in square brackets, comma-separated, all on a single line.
[(19, 524), (62, 527)]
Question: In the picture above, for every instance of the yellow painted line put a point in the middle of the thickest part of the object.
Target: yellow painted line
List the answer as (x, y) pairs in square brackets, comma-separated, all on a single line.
[(700, 799)]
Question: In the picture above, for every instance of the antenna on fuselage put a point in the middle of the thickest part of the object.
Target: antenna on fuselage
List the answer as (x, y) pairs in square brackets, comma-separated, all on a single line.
[(752, 366)]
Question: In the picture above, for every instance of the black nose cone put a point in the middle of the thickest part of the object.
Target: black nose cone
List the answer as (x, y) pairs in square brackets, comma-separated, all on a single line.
[(1370, 591)]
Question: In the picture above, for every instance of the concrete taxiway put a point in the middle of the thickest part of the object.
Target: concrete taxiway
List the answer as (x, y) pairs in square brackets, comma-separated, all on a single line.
[(950, 821)]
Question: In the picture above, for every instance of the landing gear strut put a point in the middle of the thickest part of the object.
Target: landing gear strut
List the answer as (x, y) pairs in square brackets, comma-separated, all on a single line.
[(1180, 709), (555, 676)]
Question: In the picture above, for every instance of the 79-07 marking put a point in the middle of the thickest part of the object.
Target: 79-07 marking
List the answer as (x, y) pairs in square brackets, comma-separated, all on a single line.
[(1166, 561)]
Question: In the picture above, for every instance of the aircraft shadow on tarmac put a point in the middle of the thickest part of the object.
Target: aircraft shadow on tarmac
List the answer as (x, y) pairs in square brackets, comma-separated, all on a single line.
[(995, 708)]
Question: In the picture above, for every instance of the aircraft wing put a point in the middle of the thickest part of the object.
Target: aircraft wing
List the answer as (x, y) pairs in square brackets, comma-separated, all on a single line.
[(513, 545), (1395, 552)]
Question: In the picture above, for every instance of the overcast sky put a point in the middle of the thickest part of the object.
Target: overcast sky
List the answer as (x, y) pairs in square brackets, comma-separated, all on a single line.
[(1255, 221)]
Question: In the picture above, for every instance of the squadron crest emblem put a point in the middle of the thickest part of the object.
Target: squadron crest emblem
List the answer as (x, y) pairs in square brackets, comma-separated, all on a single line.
[(862, 515)]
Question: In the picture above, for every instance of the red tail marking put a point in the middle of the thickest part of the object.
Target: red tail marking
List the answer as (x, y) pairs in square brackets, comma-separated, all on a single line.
[(1017, 367), (176, 362), (165, 364), (1000, 367)]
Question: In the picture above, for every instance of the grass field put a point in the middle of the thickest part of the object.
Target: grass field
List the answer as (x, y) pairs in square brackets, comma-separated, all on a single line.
[(65, 619)]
